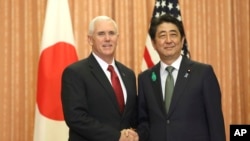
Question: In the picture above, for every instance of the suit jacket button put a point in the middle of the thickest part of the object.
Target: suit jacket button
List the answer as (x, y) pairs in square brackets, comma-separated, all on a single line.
[(168, 121)]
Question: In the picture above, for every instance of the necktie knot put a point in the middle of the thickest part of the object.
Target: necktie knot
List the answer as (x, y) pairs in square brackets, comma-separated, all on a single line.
[(170, 69), (111, 68), (113, 73)]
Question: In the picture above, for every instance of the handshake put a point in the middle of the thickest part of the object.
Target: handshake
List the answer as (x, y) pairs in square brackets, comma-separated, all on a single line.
[(129, 135)]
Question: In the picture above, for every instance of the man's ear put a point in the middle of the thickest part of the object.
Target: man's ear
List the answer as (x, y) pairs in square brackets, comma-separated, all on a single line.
[(90, 40), (153, 43), (183, 40)]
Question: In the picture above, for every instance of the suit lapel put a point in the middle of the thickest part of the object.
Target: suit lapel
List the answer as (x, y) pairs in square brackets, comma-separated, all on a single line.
[(157, 85), (180, 85), (100, 76), (125, 81)]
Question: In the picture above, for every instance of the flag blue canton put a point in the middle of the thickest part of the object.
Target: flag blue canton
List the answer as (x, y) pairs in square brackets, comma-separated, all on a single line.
[(167, 6)]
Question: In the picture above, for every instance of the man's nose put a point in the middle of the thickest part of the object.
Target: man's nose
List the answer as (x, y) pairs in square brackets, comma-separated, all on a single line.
[(168, 39), (107, 37)]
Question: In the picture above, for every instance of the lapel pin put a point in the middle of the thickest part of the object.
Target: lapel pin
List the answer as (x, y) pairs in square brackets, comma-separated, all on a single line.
[(153, 76), (187, 73)]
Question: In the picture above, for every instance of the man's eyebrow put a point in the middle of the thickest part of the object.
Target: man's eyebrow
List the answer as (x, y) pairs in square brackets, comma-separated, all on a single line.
[(163, 31), (106, 31)]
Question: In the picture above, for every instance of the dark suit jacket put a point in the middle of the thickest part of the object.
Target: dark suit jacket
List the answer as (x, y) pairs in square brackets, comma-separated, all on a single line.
[(195, 112), (89, 103)]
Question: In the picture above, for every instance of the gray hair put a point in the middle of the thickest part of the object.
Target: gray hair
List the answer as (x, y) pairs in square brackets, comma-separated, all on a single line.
[(100, 18)]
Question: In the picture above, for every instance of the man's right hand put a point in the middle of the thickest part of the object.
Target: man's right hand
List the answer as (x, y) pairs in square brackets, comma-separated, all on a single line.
[(129, 135)]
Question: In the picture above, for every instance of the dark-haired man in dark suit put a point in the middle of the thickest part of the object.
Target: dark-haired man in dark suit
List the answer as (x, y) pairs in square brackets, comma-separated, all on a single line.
[(179, 99)]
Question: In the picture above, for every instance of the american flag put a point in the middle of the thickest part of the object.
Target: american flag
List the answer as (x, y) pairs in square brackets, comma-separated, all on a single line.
[(150, 56)]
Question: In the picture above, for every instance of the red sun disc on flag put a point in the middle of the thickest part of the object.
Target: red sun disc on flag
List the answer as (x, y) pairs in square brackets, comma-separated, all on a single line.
[(52, 62)]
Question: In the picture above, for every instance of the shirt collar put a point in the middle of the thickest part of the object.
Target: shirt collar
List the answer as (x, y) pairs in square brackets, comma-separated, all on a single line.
[(176, 64), (102, 63)]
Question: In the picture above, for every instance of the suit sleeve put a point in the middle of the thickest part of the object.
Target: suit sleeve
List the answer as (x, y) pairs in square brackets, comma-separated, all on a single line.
[(75, 109), (212, 96)]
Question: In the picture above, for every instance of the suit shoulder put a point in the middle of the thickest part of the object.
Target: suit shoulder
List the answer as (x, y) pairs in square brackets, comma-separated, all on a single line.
[(78, 64), (77, 67), (123, 67), (200, 64), (202, 68), (147, 71)]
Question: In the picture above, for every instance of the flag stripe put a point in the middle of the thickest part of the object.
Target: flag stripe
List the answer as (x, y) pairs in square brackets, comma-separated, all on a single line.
[(147, 58)]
